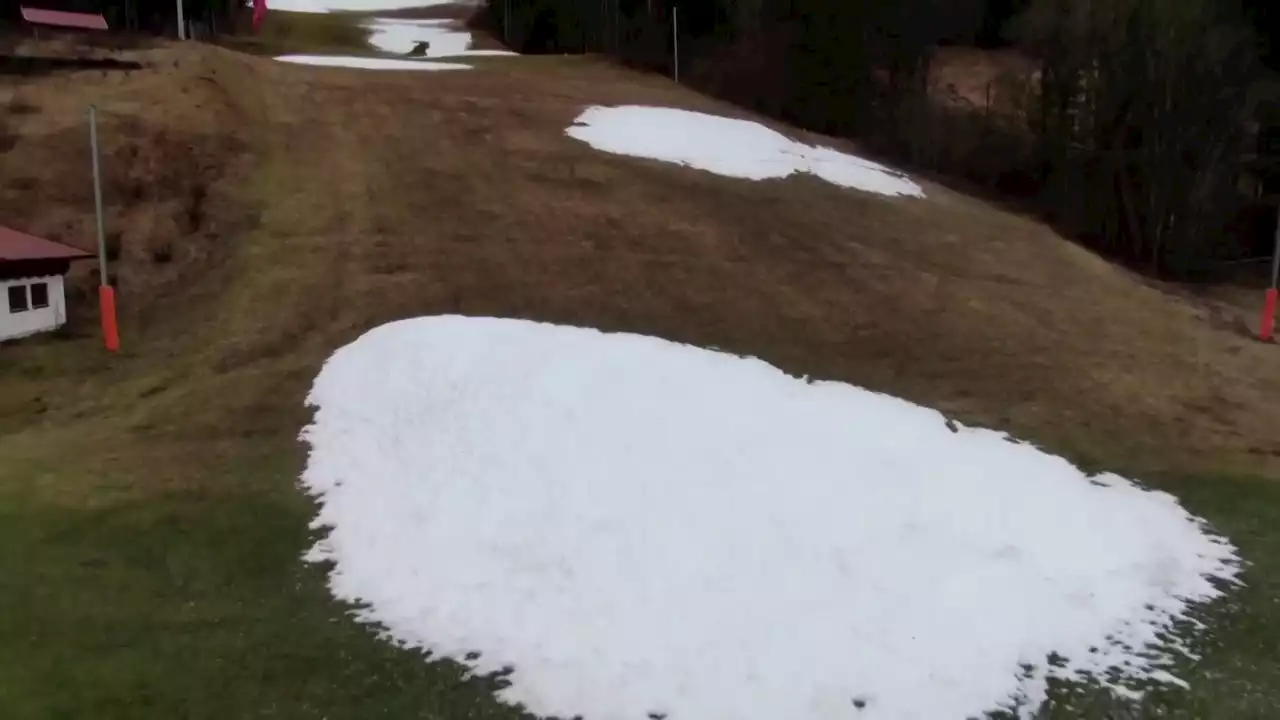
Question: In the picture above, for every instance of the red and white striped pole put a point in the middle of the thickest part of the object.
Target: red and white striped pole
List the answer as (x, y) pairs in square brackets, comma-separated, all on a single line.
[(106, 293)]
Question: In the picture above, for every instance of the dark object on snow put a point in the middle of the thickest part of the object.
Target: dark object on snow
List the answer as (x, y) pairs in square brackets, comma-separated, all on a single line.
[(419, 50)]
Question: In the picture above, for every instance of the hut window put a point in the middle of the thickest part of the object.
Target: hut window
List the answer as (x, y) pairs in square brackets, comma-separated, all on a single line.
[(39, 295), (18, 299)]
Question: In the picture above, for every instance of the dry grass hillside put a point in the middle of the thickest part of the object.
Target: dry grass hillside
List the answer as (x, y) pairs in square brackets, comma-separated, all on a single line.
[(172, 150), (306, 205), (266, 213)]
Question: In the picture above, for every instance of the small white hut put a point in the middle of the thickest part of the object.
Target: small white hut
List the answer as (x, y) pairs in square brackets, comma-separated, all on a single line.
[(32, 298)]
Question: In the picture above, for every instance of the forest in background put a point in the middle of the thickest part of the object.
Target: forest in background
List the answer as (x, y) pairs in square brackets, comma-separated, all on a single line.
[(1131, 132)]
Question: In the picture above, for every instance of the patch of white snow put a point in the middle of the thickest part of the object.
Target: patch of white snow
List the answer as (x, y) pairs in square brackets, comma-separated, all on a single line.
[(400, 36), (370, 63), (638, 526), (727, 146), (326, 6)]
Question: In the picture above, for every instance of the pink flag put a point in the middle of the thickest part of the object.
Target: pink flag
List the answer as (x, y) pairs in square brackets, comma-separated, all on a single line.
[(259, 12)]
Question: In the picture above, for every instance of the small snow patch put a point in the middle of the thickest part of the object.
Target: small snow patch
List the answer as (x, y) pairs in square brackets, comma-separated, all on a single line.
[(403, 36), (641, 528), (726, 146), (326, 6), (369, 63)]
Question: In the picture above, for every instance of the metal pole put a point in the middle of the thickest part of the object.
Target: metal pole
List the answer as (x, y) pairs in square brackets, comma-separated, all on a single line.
[(97, 195), (106, 293), (675, 34), (182, 21)]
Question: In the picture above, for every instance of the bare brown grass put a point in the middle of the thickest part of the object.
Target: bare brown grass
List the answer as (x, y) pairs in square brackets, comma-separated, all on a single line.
[(385, 195), (948, 301)]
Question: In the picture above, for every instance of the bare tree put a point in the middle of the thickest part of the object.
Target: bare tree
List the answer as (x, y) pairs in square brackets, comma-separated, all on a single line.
[(1142, 115)]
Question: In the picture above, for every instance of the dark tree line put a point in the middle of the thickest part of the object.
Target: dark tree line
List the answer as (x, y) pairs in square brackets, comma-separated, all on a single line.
[(1129, 135), (1144, 104)]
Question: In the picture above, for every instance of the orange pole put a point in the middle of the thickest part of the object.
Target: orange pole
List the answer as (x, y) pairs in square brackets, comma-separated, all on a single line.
[(106, 294), (1268, 327), (107, 304)]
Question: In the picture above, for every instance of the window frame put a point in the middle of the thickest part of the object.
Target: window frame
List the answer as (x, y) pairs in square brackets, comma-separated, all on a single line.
[(31, 295), (26, 299)]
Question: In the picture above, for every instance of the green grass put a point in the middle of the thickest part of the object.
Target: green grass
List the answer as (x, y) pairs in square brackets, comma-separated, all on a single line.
[(191, 604), (194, 604)]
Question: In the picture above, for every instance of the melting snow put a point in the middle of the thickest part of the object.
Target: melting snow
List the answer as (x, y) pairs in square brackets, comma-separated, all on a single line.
[(400, 36), (638, 526), (725, 146), (370, 63)]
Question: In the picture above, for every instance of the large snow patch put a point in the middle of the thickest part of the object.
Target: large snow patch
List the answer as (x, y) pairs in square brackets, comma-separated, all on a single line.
[(637, 526), (726, 146)]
